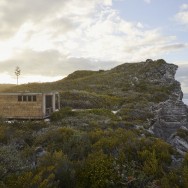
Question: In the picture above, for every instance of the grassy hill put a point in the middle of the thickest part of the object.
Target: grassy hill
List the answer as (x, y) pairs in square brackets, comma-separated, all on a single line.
[(126, 83), (4, 87)]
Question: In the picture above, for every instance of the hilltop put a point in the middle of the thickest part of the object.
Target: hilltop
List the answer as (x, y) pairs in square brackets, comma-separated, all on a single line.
[(152, 80)]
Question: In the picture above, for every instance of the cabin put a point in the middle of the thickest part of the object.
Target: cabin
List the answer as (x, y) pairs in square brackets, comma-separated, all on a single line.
[(26, 105)]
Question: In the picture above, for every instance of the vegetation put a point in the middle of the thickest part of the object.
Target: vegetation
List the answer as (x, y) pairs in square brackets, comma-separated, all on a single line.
[(39, 154), (4, 87), (98, 138)]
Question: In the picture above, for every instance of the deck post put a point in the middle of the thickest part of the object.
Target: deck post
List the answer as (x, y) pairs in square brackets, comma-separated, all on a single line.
[(53, 102), (44, 104)]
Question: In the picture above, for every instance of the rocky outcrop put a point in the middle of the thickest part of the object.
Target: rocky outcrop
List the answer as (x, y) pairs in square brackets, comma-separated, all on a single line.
[(159, 70), (180, 144), (171, 115)]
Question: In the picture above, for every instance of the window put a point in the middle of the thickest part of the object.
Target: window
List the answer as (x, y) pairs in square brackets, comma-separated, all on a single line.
[(19, 98), (27, 98), (34, 98), (24, 98)]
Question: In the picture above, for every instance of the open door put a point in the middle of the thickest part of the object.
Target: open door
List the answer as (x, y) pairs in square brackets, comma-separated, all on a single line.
[(49, 104), (57, 102)]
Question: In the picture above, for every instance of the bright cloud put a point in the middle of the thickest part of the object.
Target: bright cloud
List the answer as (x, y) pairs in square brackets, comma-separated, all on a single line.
[(182, 15), (148, 1), (184, 7)]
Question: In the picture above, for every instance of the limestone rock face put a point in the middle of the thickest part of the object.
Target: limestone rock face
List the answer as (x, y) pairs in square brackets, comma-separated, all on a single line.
[(170, 116), (163, 73), (180, 144)]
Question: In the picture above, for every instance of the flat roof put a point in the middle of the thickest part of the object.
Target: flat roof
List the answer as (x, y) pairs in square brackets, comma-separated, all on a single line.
[(28, 93)]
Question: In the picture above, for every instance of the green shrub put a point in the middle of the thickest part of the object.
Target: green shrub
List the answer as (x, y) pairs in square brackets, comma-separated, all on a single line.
[(62, 113), (97, 172)]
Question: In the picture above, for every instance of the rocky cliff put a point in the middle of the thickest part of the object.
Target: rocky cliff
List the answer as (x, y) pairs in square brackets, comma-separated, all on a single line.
[(171, 118)]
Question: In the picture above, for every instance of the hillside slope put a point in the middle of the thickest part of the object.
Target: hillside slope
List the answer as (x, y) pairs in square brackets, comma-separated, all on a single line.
[(152, 80), (124, 127), (4, 87), (144, 94)]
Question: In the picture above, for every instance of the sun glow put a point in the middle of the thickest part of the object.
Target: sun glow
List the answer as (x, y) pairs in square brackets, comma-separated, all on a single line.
[(7, 79)]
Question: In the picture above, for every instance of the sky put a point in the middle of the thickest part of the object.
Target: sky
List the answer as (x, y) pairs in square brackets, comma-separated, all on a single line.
[(49, 39)]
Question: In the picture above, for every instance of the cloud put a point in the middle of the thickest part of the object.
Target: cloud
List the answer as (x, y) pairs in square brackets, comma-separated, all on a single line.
[(182, 16), (172, 47), (14, 14), (50, 63), (56, 37), (110, 37), (148, 1), (184, 7)]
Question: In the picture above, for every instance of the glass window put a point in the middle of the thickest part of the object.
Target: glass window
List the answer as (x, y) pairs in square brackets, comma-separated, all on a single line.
[(24, 98), (34, 98), (19, 98), (29, 98)]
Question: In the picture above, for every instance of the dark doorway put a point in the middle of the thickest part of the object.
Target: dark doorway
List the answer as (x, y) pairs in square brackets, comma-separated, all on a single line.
[(56, 101), (49, 104)]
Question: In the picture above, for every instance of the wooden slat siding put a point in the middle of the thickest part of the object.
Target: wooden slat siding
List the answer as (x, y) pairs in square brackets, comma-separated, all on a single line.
[(10, 107)]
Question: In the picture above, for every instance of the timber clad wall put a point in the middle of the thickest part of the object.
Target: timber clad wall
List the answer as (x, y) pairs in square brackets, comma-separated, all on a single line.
[(9, 105), (28, 105)]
